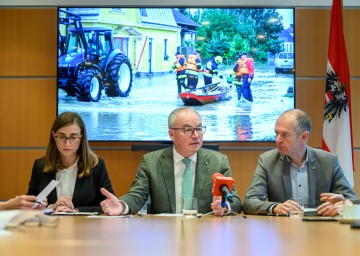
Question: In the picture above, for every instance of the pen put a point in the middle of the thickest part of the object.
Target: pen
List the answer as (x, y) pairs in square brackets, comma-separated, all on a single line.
[(200, 215), (37, 204)]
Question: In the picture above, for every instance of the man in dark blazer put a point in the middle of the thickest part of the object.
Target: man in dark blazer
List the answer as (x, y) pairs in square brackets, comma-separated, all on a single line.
[(294, 169), (160, 173)]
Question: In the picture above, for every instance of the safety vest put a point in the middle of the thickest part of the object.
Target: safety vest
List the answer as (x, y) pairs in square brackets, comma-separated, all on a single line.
[(178, 66), (192, 64), (211, 69), (246, 66)]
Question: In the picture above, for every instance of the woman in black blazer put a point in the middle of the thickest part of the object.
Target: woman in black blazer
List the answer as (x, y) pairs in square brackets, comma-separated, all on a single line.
[(70, 160)]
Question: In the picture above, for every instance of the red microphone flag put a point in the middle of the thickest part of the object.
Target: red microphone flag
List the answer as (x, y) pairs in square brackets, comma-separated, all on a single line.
[(219, 180)]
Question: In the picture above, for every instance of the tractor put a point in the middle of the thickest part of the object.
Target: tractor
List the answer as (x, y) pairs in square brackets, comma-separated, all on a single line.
[(88, 62)]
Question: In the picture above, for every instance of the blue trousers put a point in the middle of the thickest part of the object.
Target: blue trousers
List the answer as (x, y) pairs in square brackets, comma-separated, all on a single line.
[(245, 89)]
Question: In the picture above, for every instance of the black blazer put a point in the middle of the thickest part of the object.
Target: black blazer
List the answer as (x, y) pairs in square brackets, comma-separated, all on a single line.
[(87, 195)]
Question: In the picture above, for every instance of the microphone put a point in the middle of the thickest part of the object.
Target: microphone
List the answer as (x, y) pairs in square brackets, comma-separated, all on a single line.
[(222, 186)]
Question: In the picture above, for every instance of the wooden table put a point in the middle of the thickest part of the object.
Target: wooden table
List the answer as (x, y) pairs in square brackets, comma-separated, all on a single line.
[(155, 235)]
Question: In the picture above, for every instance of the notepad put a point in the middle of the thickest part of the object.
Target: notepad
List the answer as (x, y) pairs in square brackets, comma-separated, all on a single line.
[(310, 212), (319, 218)]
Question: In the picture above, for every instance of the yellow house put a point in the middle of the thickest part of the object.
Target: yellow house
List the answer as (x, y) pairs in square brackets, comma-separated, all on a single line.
[(148, 36)]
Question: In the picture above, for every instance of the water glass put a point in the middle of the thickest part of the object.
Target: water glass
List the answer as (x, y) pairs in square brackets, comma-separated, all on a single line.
[(351, 208), (296, 208), (189, 207)]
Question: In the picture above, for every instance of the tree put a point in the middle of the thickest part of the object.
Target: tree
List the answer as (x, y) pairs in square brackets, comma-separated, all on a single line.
[(228, 32), (217, 45)]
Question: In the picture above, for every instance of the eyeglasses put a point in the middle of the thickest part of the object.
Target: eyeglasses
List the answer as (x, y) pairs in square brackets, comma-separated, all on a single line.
[(29, 220), (190, 130), (72, 139)]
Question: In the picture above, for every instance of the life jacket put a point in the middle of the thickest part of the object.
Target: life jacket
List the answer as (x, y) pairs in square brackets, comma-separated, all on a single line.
[(194, 62), (246, 66), (211, 69), (178, 66)]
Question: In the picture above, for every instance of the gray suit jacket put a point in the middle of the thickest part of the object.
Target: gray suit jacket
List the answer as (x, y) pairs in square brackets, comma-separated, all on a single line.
[(155, 177), (272, 180)]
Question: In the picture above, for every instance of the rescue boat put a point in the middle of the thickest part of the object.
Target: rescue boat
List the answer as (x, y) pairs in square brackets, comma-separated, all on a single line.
[(206, 94)]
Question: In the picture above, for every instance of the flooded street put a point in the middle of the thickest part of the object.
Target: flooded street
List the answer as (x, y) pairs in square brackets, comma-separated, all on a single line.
[(143, 114)]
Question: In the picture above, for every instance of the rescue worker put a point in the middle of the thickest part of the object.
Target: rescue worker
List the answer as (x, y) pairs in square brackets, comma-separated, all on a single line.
[(192, 71), (180, 68), (244, 74), (211, 69)]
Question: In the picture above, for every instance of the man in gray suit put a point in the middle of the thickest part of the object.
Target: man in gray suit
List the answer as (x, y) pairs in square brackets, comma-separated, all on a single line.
[(295, 170), (160, 173)]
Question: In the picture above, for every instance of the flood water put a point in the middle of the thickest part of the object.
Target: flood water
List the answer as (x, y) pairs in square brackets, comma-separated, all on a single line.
[(143, 114)]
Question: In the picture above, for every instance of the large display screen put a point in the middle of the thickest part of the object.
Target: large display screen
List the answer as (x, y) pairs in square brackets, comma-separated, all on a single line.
[(118, 68)]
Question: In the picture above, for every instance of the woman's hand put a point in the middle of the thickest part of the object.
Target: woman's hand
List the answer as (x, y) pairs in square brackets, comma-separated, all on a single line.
[(62, 208), (63, 204)]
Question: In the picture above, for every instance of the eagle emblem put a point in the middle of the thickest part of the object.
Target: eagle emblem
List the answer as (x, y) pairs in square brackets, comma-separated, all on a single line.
[(336, 100)]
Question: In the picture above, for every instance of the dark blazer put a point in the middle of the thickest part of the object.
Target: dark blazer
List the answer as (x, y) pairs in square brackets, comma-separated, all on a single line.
[(155, 177), (272, 180), (87, 195)]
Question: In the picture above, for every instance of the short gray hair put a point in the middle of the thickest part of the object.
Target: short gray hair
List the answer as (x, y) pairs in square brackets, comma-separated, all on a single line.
[(174, 114)]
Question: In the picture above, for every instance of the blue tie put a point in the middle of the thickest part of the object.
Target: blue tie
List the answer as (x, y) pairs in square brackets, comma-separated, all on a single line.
[(187, 180)]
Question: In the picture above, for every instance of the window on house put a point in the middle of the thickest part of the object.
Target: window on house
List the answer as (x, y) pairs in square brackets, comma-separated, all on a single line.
[(166, 56), (143, 12)]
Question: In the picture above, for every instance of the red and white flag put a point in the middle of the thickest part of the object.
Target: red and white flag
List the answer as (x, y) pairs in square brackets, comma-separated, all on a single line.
[(337, 129)]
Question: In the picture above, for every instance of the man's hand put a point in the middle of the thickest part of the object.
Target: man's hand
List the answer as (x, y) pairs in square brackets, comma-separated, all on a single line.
[(331, 198), (284, 208), (328, 209), (281, 209), (331, 204), (111, 205), (216, 206), (23, 202)]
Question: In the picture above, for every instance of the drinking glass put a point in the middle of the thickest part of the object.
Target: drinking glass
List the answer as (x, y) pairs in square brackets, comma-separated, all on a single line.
[(189, 207), (296, 208), (351, 208)]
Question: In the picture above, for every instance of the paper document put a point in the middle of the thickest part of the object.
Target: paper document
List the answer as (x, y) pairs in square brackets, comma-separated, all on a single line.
[(45, 192), (169, 215), (74, 213), (109, 217)]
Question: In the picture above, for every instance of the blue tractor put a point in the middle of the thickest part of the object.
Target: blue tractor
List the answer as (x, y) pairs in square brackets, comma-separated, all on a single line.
[(88, 62)]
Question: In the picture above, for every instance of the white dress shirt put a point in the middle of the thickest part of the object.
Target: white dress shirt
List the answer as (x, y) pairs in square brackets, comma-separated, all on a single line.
[(67, 178), (179, 169)]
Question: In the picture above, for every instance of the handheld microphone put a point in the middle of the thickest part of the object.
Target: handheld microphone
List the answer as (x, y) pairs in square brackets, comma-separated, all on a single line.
[(222, 186)]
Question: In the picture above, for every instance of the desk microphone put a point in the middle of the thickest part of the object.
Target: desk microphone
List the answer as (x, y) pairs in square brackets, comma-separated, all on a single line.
[(222, 186)]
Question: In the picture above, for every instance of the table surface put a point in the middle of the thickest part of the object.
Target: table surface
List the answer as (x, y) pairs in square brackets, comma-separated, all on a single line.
[(159, 235)]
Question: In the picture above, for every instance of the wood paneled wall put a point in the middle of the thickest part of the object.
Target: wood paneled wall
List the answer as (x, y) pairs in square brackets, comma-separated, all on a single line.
[(28, 96)]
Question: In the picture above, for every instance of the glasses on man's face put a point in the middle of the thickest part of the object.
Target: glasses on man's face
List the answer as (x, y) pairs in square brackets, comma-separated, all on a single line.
[(72, 139), (200, 130)]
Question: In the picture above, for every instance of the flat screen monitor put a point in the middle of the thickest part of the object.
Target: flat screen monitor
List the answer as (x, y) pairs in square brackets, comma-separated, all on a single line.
[(121, 69)]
